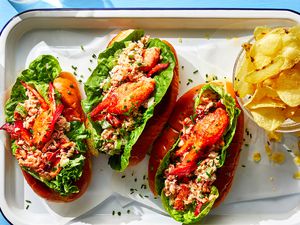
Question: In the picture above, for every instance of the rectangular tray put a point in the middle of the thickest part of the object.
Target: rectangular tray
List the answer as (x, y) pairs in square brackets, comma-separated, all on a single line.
[(205, 40)]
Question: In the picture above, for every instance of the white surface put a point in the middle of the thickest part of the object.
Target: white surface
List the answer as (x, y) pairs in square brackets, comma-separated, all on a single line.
[(254, 198)]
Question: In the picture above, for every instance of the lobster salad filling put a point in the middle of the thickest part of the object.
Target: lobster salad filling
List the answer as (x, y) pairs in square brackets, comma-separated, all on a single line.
[(44, 141), (126, 93), (189, 178)]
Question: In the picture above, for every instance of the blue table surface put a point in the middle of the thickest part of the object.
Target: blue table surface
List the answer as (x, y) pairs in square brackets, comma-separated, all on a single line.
[(10, 8)]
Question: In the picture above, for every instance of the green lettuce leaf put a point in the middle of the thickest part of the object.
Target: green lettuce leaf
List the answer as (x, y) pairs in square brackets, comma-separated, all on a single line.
[(188, 216), (107, 60), (78, 134), (41, 71), (63, 183), (233, 112)]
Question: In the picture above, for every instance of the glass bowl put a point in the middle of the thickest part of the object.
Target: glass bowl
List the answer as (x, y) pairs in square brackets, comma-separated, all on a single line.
[(288, 125)]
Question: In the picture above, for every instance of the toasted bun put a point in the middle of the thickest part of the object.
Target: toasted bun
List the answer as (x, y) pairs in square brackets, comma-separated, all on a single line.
[(120, 36), (161, 112), (183, 109), (67, 86)]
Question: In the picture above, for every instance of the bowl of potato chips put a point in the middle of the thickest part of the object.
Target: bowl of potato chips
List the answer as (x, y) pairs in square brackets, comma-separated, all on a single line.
[(267, 78)]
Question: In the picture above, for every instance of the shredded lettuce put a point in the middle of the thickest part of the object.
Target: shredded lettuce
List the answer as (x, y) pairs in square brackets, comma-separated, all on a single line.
[(188, 216), (106, 61), (63, 183), (41, 71), (78, 134)]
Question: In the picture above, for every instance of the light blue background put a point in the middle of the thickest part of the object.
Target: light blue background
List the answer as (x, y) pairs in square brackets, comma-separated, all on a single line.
[(8, 9)]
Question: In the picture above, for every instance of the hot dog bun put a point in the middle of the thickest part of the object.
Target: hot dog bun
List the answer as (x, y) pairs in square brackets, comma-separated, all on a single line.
[(67, 86), (183, 109)]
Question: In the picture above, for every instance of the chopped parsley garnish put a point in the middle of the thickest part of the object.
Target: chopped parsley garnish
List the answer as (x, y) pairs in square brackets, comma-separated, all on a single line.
[(196, 71), (74, 67), (189, 81)]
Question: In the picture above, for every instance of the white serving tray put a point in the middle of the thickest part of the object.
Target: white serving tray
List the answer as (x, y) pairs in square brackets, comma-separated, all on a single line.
[(206, 40)]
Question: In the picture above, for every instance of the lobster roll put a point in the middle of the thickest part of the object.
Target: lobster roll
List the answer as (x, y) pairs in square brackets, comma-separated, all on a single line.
[(193, 161), (130, 95), (45, 122)]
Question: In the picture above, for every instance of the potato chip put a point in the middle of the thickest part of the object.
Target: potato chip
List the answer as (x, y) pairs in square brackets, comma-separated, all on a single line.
[(278, 30), (260, 32), (296, 116), (291, 57), (269, 71), (265, 97), (270, 82), (244, 88), (260, 60), (269, 45), (295, 31), (288, 86), (291, 111), (266, 102), (268, 118)]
